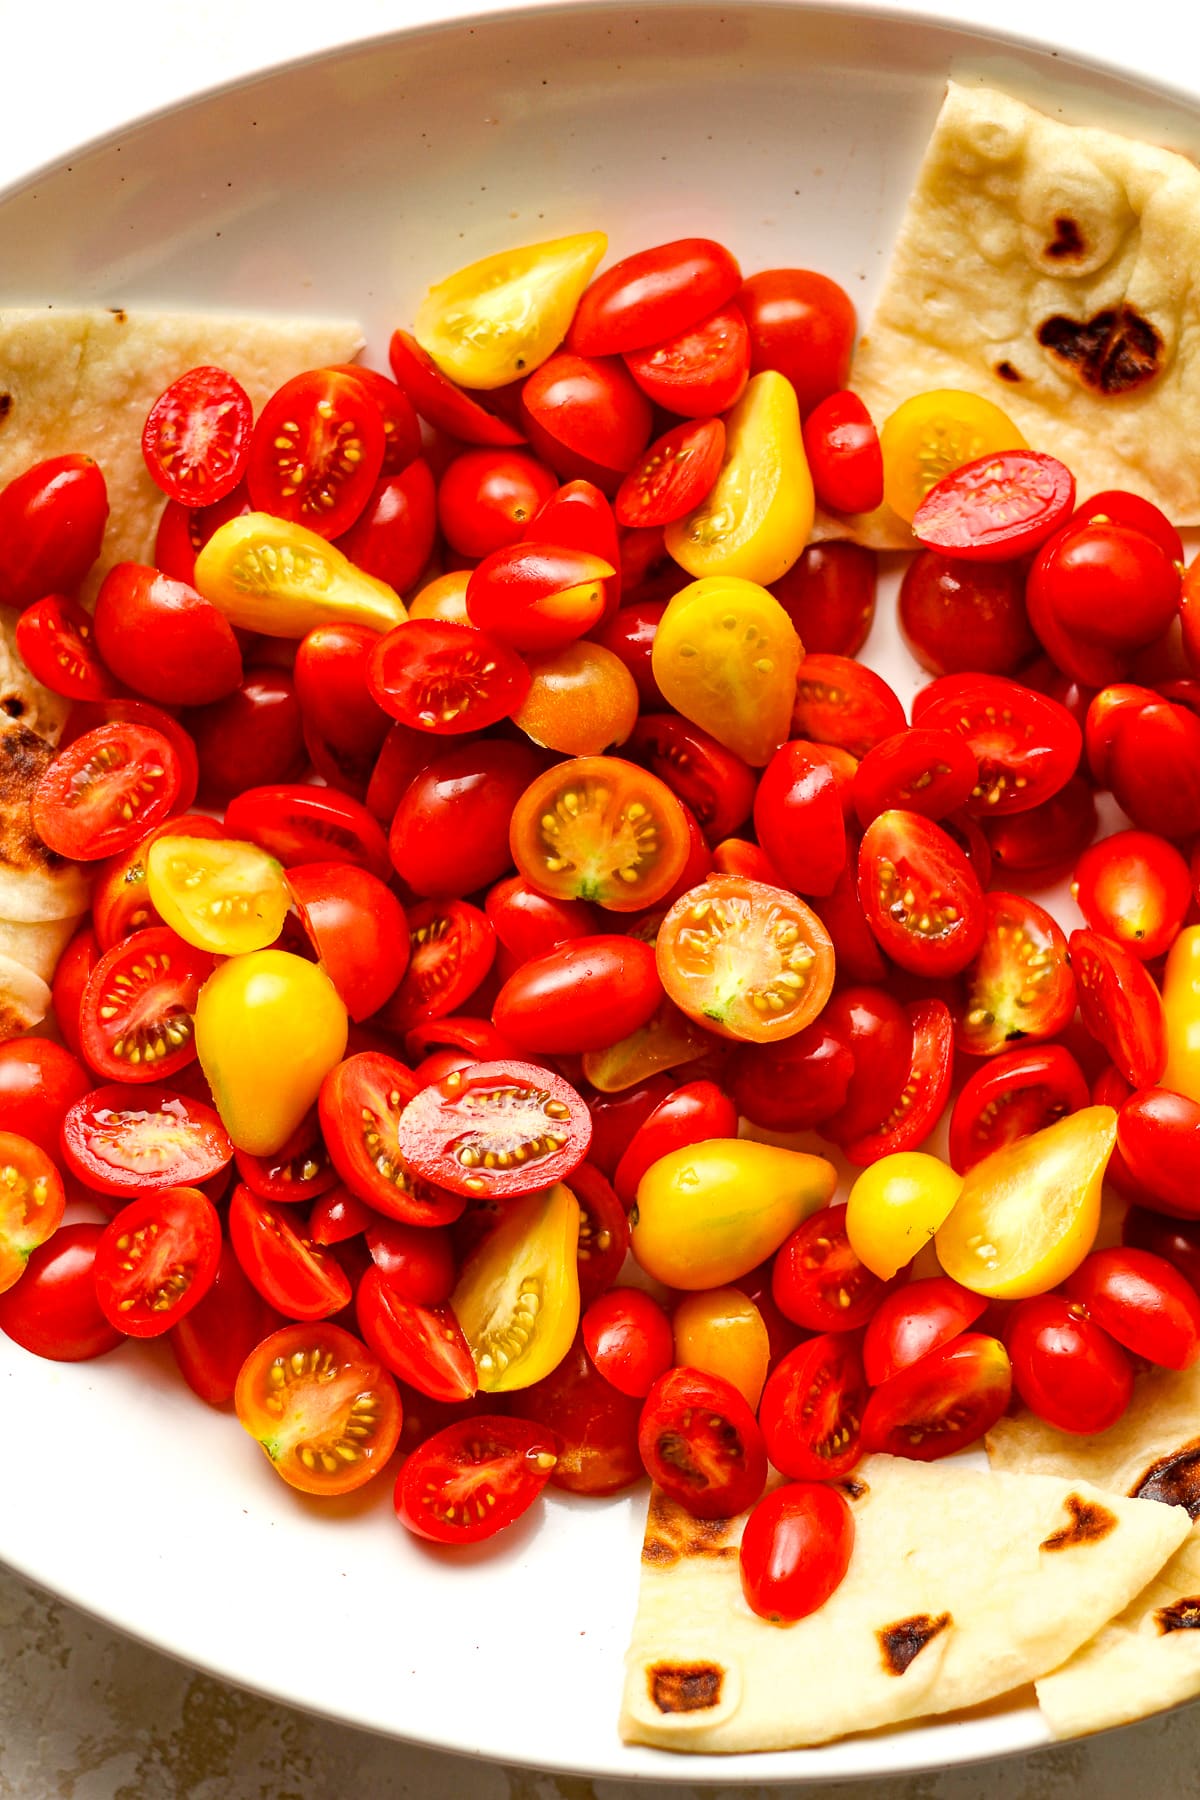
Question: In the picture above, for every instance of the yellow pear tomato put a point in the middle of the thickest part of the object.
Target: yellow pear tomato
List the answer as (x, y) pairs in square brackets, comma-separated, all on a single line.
[(710, 1212), (280, 579), (1028, 1214), (756, 518), (933, 434), (726, 656), (517, 1298), (1181, 1006), (217, 893), (895, 1206), (722, 1332), (269, 1027), (669, 1041), (498, 319)]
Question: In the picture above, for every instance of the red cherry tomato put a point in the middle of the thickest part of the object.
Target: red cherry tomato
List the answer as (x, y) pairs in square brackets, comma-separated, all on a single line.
[(653, 294), (416, 1261), (802, 324), (795, 1551), (536, 596), (496, 1129), (841, 702), (819, 1282), (877, 1032), (926, 1089), (1040, 846), (673, 476), (1154, 768), (252, 738), (401, 428), (1158, 1135), (579, 517), (1121, 1007), (942, 1403), (316, 452), (473, 1479), (603, 1232), (39, 1080), (694, 1112), (136, 1014), (812, 1407), (52, 519), (196, 439), (360, 1106), (856, 949), (1026, 745), (716, 785), (343, 729), (423, 1345), (617, 1116), (393, 536), (921, 896), (213, 1339), (183, 532), (157, 1259), (358, 930), (452, 946), (628, 1337), (915, 1319), (1020, 985), (965, 617), (337, 1215), (596, 1425), (700, 371), (70, 978), (699, 1441), (103, 792), (301, 1169), (450, 834), (121, 1140), (1117, 507), (294, 1275), (529, 924), (54, 640), (300, 824), (1136, 889), (53, 1310), (437, 399), (488, 498), (843, 452), (996, 508), (629, 634), (794, 1085), (439, 677), (583, 996), (589, 408), (921, 770), (1065, 1368), (1107, 584), (799, 818), (1012, 1096), (1143, 1302), (163, 640), (829, 595)]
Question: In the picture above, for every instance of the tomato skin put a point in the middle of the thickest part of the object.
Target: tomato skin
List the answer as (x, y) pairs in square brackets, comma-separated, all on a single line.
[(439, 401), (505, 1460), (360, 1105), (213, 1339), (495, 1129), (487, 498), (628, 1337), (393, 536), (299, 1170), (630, 635), (1141, 1301), (1154, 768), (965, 618), (316, 451), (843, 703), (39, 1080), (915, 1319), (54, 641), (423, 1345), (452, 947), (1109, 584), (843, 454), (450, 834), (401, 428), (1038, 847), (795, 1551), (586, 407), (799, 819), (698, 371), (1176, 1241), (344, 733), (596, 1425), (537, 596), (796, 1084), (812, 1408), (943, 929), (581, 996), (529, 923), (97, 1130), (32, 1204), (946, 1400), (1067, 1369), (1135, 888), (857, 954), (803, 325), (53, 1311), (699, 1441), (105, 790), (254, 737), (1121, 1007), (651, 295), (996, 508), (819, 1282), (416, 1261), (829, 595), (52, 519), (70, 979), (298, 824), (144, 1286), (294, 1275), (1020, 984), (1158, 1134), (877, 1033), (1011, 1096), (694, 1112), (358, 930), (617, 1116)]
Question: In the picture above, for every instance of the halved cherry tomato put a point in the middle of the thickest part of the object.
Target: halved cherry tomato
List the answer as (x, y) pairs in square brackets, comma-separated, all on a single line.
[(699, 1441), (534, 596), (300, 824), (795, 1084), (104, 791), (921, 1101), (746, 960), (628, 1337), (652, 295), (818, 1280), (841, 702), (475, 1478), (300, 1169), (1020, 984), (941, 1403), (121, 1140), (913, 1320), (582, 996), (673, 476), (1158, 1134), (921, 770), (801, 324), (1038, 847), (452, 946), (935, 433), (450, 833), (495, 1129), (183, 532), (216, 894), (691, 1114), (1012, 1096), (717, 785), (294, 1275), (438, 677), (53, 1311), (1000, 506), (517, 1296), (595, 1424), (52, 518), (599, 828), (856, 949), (587, 416), (423, 1345), (360, 1107), (921, 896), (136, 1016), (439, 401), (321, 1408), (401, 429), (196, 439), (959, 618), (70, 978), (1027, 746), (416, 1261), (358, 930), (121, 903), (829, 595), (1065, 1368), (795, 1551), (1135, 888), (316, 452), (812, 1408), (214, 1337), (843, 453), (1121, 1007), (701, 370), (271, 575), (54, 641), (1140, 1300), (31, 1203), (157, 1259), (604, 1232)]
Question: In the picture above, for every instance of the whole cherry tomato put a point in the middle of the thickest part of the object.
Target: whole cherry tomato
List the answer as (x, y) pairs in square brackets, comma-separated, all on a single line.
[(393, 536), (653, 294), (829, 595), (812, 1408), (487, 498), (1135, 888), (964, 618), (843, 454), (53, 1310), (628, 1337), (252, 738), (1067, 1369), (450, 834), (52, 519), (1141, 1301), (803, 325), (795, 1551)]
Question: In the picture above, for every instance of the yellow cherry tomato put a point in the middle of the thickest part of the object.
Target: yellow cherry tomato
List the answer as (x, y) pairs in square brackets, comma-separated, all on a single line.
[(726, 656), (1181, 1006), (217, 893), (269, 1027), (517, 1298), (931, 435), (722, 1332), (713, 1211), (443, 598), (1028, 1214), (895, 1206), (582, 700), (498, 319), (280, 579), (756, 518), (668, 1042)]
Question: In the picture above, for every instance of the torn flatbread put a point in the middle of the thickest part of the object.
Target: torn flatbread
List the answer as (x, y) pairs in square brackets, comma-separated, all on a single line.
[(1148, 1657), (84, 380), (23, 699), (962, 1586), (24, 999), (35, 883), (1055, 270)]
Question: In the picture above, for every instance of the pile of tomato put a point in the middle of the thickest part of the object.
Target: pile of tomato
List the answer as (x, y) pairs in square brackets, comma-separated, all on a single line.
[(405, 1103)]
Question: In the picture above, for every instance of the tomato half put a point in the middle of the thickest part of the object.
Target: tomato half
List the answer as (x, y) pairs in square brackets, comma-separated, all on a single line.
[(357, 928), (841, 702), (701, 1444), (105, 790), (316, 452), (451, 949), (39, 1080), (157, 1259), (999, 507), (931, 435), (673, 475), (700, 371), (537, 595), (921, 1101), (295, 1276), (438, 400), (53, 1311), (136, 1017), (1020, 984), (196, 438), (324, 1412), (920, 770), (599, 828), (819, 1282), (1027, 746), (812, 1408), (496, 1128), (360, 1107), (31, 1204), (213, 1339), (652, 295), (55, 642), (300, 1170), (913, 1320), (1012, 1096), (423, 1345), (450, 832), (216, 894), (299, 824), (121, 1140), (1141, 1301), (439, 677), (595, 1425), (921, 896), (517, 1297), (475, 1478), (725, 655), (943, 1402), (1121, 1006), (746, 960)]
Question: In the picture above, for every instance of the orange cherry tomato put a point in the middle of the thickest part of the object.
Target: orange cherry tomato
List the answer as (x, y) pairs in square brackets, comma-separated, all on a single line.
[(600, 829)]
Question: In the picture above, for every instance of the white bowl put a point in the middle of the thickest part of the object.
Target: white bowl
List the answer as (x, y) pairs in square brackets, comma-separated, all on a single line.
[(346, 184)]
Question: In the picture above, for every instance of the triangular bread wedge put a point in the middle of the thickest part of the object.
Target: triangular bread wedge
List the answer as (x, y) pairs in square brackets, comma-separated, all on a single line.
[(963, 1585), (1055, 270), (84, 380), (1148, 1657)]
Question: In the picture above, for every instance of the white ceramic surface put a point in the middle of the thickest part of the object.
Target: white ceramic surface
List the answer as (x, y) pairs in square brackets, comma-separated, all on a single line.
[(347, 184)]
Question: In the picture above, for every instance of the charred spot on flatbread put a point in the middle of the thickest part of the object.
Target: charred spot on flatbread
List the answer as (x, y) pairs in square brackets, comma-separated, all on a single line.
[(119, 314), (1067, 244), (6, 405), (1174, 1479), (685, 1687), (853, 1487), (904, 1641), (1006, 372), (1113, 352), (1089, 1523), (672, 1532), (24, 758), (1182, 1615)]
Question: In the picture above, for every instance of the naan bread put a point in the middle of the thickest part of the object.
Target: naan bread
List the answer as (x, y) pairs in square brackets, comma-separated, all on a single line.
[(23, 699), (84, 380), (962, 1586), (1055, 270), (37, 946), (1148, 1657), (35, 883)]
